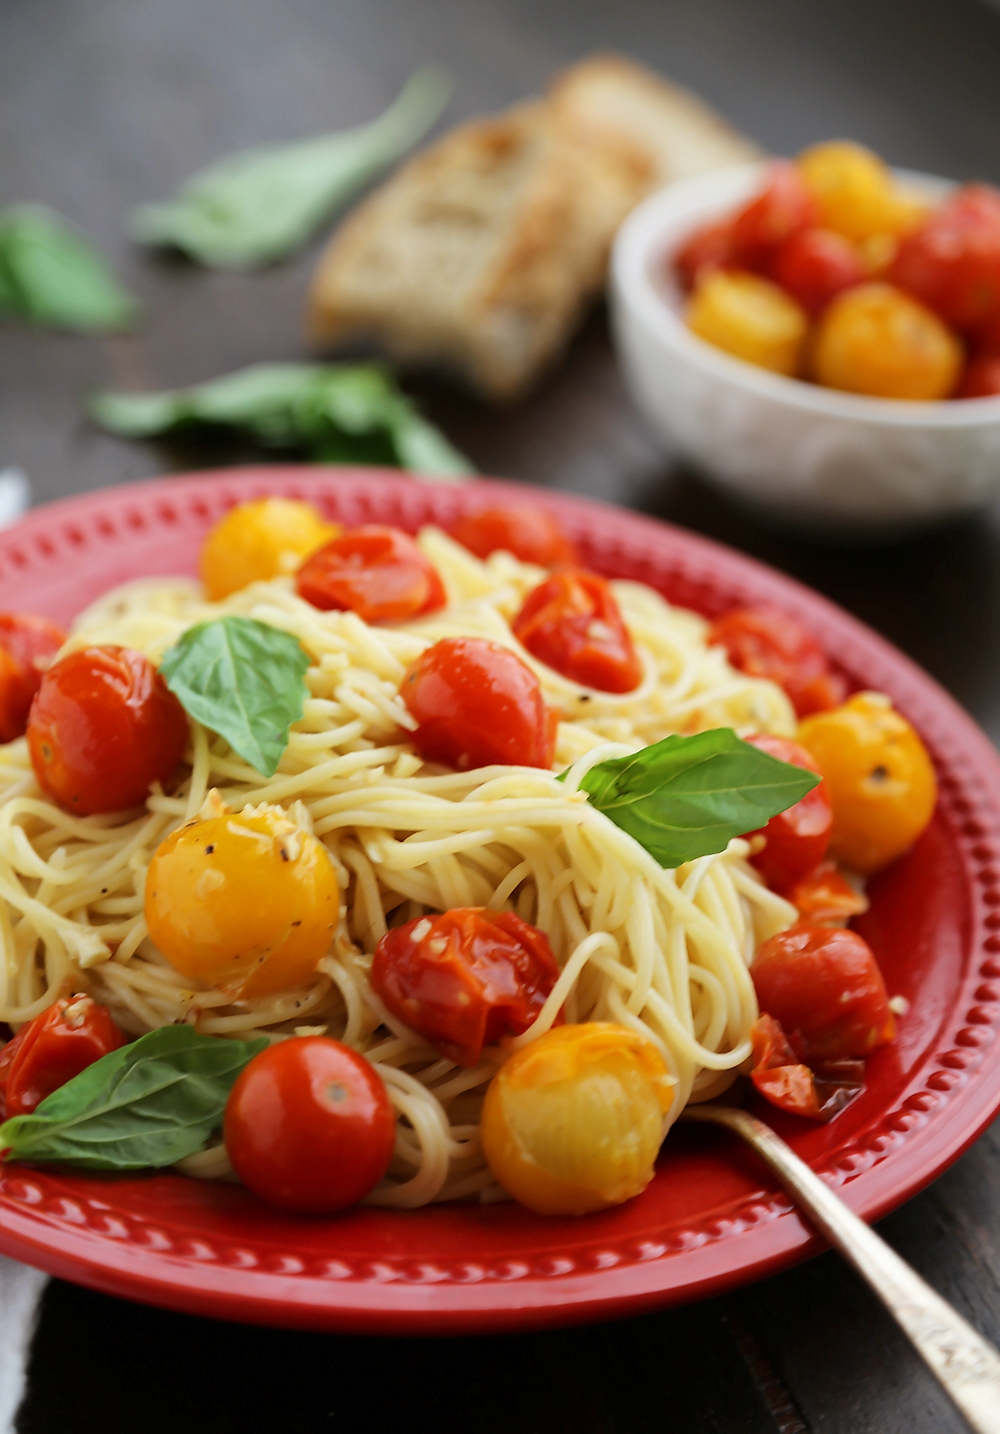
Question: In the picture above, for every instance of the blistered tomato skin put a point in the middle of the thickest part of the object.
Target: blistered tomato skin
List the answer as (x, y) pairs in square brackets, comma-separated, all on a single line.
[(24, 642), (57, 1045), (476, 704), (573, 624), (783, 207), (814, 265), (309, 1127), (749, 317), (259, 540), (102, 728), (764, 643), (879, 776), (465, 979), (711, 247), (573, 1122), (981, 378), (876, 340), (246, 902), (795, 840), (952, 262), (524, 529), (379, 573)]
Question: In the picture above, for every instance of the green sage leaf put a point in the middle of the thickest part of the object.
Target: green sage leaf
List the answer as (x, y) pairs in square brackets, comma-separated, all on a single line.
[(145, 1105), (52, 274), (244, 680), (686, 797)]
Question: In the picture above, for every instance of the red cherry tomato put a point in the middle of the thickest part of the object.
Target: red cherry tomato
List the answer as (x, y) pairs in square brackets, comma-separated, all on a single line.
[(797, 838), (981, 378), (22, 639), (769, 644), (786, 1082), (379, 573), (572, 623), (58, 1044), (825, 898), (464, 979), (824, 987), (529, 532), (477, 704), (783, 207), (308, 1126), (711, 247), (814, 265), (103, 727), (952, 262)]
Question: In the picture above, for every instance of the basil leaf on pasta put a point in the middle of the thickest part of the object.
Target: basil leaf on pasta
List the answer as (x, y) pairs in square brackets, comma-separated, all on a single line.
[(244, 680), (686, 797), (145, 1105)]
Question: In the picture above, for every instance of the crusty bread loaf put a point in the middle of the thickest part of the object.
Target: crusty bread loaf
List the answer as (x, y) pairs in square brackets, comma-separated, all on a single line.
[(481, 254)]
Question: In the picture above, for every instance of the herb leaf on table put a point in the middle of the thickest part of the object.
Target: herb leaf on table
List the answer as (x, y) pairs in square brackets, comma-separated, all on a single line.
[(145, 1105), (52, 274), (261, 205), (335, 413)]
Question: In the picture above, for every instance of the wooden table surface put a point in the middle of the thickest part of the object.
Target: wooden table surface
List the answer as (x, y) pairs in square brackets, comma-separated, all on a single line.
[(104, 103)]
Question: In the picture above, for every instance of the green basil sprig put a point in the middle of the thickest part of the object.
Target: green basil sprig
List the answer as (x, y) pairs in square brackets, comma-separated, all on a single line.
[(244, 680), (145, 1105), (261, 205), (52, 274), (686, 797), (332, 413)]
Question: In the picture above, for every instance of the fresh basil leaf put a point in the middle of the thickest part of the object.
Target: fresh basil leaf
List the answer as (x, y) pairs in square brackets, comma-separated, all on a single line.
[(339, 413), (687, 797), (145, 1105), (244, 680), (52, 274), (262, 205)]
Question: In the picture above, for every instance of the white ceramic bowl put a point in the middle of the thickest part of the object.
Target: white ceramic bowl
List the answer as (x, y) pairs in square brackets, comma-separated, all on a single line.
[(813, 457)]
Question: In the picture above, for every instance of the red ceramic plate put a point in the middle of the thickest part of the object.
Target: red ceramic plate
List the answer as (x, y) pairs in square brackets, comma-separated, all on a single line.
[(710, 1219)]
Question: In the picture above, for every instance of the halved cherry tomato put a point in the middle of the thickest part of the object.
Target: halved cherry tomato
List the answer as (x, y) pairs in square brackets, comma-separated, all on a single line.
[(23, 639), (786, 1082), (981, 378), (769, 644), (711, 247), (825, 898), (58, 1044), (103, 727), (952, 262), (797, 838), (464, 979), (529, 532), (478, 704), (379, 573), (783, 206), (822, 983), (815, 264), (572, 623), (308, 1126)]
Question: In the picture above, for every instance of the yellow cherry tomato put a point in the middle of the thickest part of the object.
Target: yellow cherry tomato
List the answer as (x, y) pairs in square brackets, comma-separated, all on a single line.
[(246, 902), (855, 192), (749, 317), (259, 540), (875, 339), (879, 777), (573, 1122)]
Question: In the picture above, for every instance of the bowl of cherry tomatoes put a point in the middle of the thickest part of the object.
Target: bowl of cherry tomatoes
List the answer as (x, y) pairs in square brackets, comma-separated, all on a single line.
[(821, 336)]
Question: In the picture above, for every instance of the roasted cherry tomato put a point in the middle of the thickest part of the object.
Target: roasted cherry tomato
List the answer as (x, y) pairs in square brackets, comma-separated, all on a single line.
[(572, 623), (854, 191), (783, 207), (574, 1121), (749, 317), (826, 898), (379, 573), (477, 704), (781, 1077), (24, 640), (247, 902), (259, 540), (102, 728), (711, 247), (952, 262), (823, 985), (529, 532), (308, 1126), (464, 979), (769, 644), (879, 776), (797, 838), (981, 378), (814, 265), (58, 1044), (876, 340)]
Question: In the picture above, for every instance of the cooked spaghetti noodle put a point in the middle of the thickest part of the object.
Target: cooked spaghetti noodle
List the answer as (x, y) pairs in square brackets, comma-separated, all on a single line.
[(665, 952)]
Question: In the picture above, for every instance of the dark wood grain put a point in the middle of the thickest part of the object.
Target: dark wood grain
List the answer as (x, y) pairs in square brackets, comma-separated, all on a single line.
[(104, 103)]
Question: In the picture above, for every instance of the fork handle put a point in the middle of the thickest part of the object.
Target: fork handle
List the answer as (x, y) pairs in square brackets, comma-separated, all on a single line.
[(966, 1365)]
